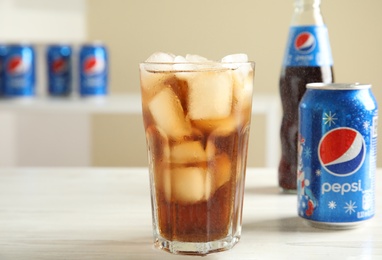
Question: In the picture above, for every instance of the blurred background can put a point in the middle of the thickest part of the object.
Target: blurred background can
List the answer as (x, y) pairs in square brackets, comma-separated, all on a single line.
[(3, 52), (19, 70), (59, 69), (337, 149), (93, 69)]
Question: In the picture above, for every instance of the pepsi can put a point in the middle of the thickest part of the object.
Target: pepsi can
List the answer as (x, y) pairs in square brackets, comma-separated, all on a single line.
[(59, 66), (3, 51), (19, 74), (337, 149), (93, 70)]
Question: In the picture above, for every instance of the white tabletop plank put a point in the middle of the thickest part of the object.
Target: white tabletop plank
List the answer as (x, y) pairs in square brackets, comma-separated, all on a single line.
[(105, 213)]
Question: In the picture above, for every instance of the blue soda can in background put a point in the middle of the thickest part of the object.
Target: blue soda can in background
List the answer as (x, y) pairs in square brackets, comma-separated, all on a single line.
[(337, 150), (3, 52), (19, 71), (93, 69), (59, 68)]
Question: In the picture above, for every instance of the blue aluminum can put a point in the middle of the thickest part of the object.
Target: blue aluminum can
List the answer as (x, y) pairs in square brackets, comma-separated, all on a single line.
[(19, 73), (337, 150), (93, 70), (59, 69), (3, 52)]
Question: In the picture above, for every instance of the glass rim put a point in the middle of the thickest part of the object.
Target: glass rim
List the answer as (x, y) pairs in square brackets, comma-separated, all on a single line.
[(195, 62)]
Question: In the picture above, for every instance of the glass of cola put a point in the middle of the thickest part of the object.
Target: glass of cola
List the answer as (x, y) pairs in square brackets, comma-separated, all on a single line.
[(196, 115)]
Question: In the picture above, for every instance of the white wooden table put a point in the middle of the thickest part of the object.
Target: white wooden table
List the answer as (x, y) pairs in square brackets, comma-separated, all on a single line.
[(84, 213)]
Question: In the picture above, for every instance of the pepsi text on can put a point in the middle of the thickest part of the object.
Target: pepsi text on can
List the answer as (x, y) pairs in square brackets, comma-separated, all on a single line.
[(93, 70), (59, 68), (19, 71), (337, 155)]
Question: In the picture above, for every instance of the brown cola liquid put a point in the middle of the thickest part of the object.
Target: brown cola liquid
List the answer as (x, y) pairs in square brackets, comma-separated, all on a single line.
[(293, 82), (197, 172)]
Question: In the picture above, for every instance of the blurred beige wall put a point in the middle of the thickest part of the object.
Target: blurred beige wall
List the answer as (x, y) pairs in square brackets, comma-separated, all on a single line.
[(134, 29)]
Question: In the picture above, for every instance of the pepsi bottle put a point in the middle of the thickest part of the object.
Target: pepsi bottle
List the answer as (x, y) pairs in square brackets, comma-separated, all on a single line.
[(307, 59)]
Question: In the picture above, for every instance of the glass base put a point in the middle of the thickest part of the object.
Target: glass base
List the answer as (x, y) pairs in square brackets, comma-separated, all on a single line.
[(289, 191), (196, 248)]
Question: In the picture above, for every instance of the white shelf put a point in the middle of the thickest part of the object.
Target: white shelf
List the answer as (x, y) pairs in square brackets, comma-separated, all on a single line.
[(121, 103), (128, 104), (125, 103)]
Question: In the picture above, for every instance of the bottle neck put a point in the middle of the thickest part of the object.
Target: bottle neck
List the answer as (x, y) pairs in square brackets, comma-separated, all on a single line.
[(307, 12), (305, 5)]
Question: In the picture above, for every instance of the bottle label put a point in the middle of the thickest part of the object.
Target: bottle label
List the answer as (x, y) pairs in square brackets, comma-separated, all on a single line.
[(308, 46)]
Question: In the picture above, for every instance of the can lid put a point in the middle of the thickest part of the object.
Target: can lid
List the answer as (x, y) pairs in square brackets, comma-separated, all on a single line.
[(338, 86)]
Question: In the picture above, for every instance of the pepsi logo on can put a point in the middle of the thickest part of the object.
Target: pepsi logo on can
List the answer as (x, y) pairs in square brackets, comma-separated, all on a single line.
[(342, 151), (93, 65), (19, 71), (59, 65), (337, 155), (93, 70)]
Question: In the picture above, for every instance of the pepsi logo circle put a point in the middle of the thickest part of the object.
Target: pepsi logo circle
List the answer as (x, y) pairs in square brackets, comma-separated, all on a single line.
[(17, 65), (342, 151), (93, 65), (59, 65), (305, 42)]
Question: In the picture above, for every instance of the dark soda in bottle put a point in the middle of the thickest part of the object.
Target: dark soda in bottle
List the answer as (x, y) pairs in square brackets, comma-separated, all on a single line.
[(307, 59)]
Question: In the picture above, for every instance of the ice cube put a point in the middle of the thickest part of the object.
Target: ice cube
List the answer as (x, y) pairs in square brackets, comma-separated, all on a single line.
[(159, 149), (150, 80), (180, 59), (159, 61), (239, 57), (168, 114), (188, 152), (190, 184), (181, 64), (243, 88), (227, 125), (221, 140), (158, 145), (220, 168), (161, 57), (196, 58), (210, 95)]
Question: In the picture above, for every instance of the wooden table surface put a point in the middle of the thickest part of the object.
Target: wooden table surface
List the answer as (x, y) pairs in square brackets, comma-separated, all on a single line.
[(105, 213)]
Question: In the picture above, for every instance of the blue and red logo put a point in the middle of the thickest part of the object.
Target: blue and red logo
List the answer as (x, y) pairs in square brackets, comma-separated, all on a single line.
[(17, 65), (59, 65), (305, 42), (93, 65), (342, 151)]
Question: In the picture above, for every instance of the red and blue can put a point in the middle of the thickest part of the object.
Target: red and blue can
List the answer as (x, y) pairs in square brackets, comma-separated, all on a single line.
[(19, 71), (337, 150), (3, 52), (93, 70), (59, 69)]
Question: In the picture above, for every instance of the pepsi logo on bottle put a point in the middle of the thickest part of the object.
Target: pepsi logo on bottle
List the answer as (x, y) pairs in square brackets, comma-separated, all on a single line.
[(93, 70), (303, 49), (305, 42), (337, 155)]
